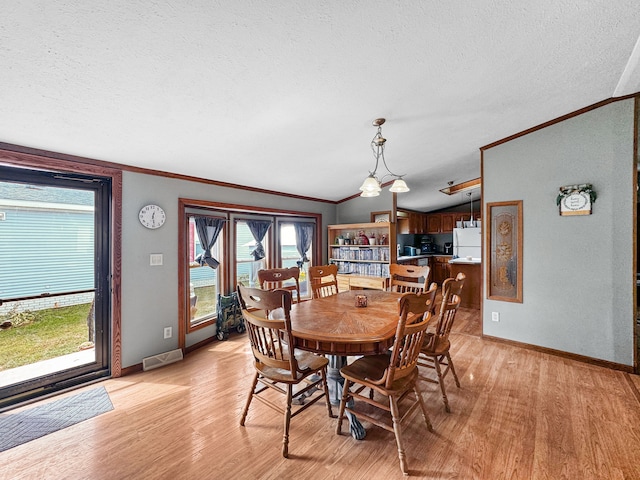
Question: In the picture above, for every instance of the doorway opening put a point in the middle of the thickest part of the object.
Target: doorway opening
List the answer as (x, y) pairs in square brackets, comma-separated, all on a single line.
[(54, 287)]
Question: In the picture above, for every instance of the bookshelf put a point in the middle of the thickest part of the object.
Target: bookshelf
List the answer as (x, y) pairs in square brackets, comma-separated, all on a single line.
[(362, 263)]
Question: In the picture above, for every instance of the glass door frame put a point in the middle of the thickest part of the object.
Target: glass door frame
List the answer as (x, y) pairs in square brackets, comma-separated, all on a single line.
[(63, 168)]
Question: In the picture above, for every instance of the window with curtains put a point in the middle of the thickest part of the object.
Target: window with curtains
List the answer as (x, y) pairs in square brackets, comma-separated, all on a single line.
[(205, 246), (249, 257), (241, 241), (294, 238)]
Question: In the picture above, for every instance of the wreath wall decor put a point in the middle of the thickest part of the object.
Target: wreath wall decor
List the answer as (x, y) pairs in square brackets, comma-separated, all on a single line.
[(576, 199)]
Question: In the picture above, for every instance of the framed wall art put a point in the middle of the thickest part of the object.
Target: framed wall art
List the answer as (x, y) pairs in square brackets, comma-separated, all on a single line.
[(504, 240), (380, 217), (576, 199)]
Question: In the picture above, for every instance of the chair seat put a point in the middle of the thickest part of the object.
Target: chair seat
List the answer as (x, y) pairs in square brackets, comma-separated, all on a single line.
[(309, 363), (435, 346), (371, 369)]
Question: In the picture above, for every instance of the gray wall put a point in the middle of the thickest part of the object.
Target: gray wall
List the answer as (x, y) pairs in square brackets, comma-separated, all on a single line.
[(578, 273), (358, 209), (150, 294)]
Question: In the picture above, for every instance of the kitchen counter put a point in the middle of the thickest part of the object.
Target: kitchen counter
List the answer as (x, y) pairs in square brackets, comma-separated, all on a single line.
[(466, 261), (405, 258)]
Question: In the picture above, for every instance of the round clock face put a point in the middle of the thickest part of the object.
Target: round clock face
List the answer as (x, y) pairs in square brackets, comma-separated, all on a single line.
[(152, 216)]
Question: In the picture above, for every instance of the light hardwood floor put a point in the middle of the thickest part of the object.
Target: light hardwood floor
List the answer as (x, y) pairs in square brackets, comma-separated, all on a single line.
[(520, 414)]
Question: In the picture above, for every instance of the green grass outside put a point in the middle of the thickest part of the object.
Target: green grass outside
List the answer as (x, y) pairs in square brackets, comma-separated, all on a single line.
[(207, 298), (53, 332)]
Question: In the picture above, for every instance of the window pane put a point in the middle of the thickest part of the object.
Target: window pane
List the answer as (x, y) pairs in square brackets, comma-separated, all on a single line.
[(203, 281), (246, 267), (289, 257)]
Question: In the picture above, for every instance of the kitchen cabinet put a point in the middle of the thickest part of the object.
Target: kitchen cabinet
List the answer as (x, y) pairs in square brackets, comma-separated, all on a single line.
[(448, 222), (440, 268), (471, 295), (434, 223), (411, 222), (445, 222)]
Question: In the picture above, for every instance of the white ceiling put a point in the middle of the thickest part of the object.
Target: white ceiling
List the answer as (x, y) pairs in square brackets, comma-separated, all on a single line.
[(281, 95)]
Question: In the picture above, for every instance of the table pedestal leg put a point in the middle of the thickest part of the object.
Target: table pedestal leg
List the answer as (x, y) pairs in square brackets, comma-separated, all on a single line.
[(335, 383)]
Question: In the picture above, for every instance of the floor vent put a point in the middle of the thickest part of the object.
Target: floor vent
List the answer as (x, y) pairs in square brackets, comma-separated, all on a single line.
[(161, 359)]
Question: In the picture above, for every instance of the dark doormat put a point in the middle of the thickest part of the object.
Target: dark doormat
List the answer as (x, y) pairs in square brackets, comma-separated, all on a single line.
[(36, 422)]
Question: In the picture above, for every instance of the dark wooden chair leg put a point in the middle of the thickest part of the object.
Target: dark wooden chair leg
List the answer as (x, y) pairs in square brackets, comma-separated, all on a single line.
[(249, 398), (287, 422)]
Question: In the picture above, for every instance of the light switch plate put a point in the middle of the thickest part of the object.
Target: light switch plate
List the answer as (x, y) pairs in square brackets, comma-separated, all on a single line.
[(155, 259)]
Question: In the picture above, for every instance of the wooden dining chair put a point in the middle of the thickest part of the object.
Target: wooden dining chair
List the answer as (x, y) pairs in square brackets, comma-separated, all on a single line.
[(284, 278), (279, 367), (451, 286), (408, 278), (324, 280), (435, 353), (392, 375)]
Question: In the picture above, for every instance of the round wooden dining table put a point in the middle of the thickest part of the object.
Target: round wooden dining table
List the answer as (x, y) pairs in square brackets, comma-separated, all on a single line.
[(335, 326)]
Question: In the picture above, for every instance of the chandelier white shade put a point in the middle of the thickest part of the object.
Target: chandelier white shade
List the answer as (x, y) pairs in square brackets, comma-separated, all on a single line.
[(371, 187), (399, 186)]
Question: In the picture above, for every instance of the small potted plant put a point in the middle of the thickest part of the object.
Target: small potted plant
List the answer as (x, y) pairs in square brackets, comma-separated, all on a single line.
[(340, 240)]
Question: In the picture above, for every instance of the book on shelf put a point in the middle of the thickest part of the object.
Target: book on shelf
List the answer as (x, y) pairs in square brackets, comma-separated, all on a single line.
[(359, 253)]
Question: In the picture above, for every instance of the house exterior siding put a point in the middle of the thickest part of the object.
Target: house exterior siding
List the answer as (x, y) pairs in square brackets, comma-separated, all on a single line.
[(45, 247)]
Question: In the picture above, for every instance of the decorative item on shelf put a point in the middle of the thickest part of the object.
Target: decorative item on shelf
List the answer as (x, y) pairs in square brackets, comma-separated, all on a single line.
[(576, 199), (371, 186), (372, 239), (383, 239), (362, 238)]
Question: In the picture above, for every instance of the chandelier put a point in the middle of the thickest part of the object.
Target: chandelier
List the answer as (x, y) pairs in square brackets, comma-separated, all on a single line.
[(372, 185)]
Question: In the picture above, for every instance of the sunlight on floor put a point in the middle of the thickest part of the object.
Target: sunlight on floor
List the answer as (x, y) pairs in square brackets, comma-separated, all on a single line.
[(46, 367)]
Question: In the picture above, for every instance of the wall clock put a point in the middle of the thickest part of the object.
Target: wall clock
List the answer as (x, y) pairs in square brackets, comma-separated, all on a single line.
[(152, 216)]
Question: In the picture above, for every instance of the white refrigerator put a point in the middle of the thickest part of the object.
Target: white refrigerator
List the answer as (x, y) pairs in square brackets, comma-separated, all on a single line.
[(466, 243)]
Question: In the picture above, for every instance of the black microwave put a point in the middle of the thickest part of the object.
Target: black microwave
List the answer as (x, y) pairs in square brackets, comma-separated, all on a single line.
[(428, 248)]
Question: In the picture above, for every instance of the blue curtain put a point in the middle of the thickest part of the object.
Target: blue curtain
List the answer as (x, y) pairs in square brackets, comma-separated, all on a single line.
[(304, 235), (258, 229), (208, 230)]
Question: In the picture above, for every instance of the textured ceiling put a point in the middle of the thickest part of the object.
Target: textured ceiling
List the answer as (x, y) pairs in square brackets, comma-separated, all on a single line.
[(281, 95)]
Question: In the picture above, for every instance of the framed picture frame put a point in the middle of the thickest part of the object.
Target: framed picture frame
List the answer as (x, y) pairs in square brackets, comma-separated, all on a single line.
[(377, 217), (576, 199), (504, 257)]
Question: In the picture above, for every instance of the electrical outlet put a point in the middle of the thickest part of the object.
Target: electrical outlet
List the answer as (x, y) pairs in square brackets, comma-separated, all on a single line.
[(168, 332), (495, 316)]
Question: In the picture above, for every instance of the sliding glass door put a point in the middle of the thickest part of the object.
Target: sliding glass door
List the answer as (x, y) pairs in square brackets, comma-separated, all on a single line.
[(54, 282)]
